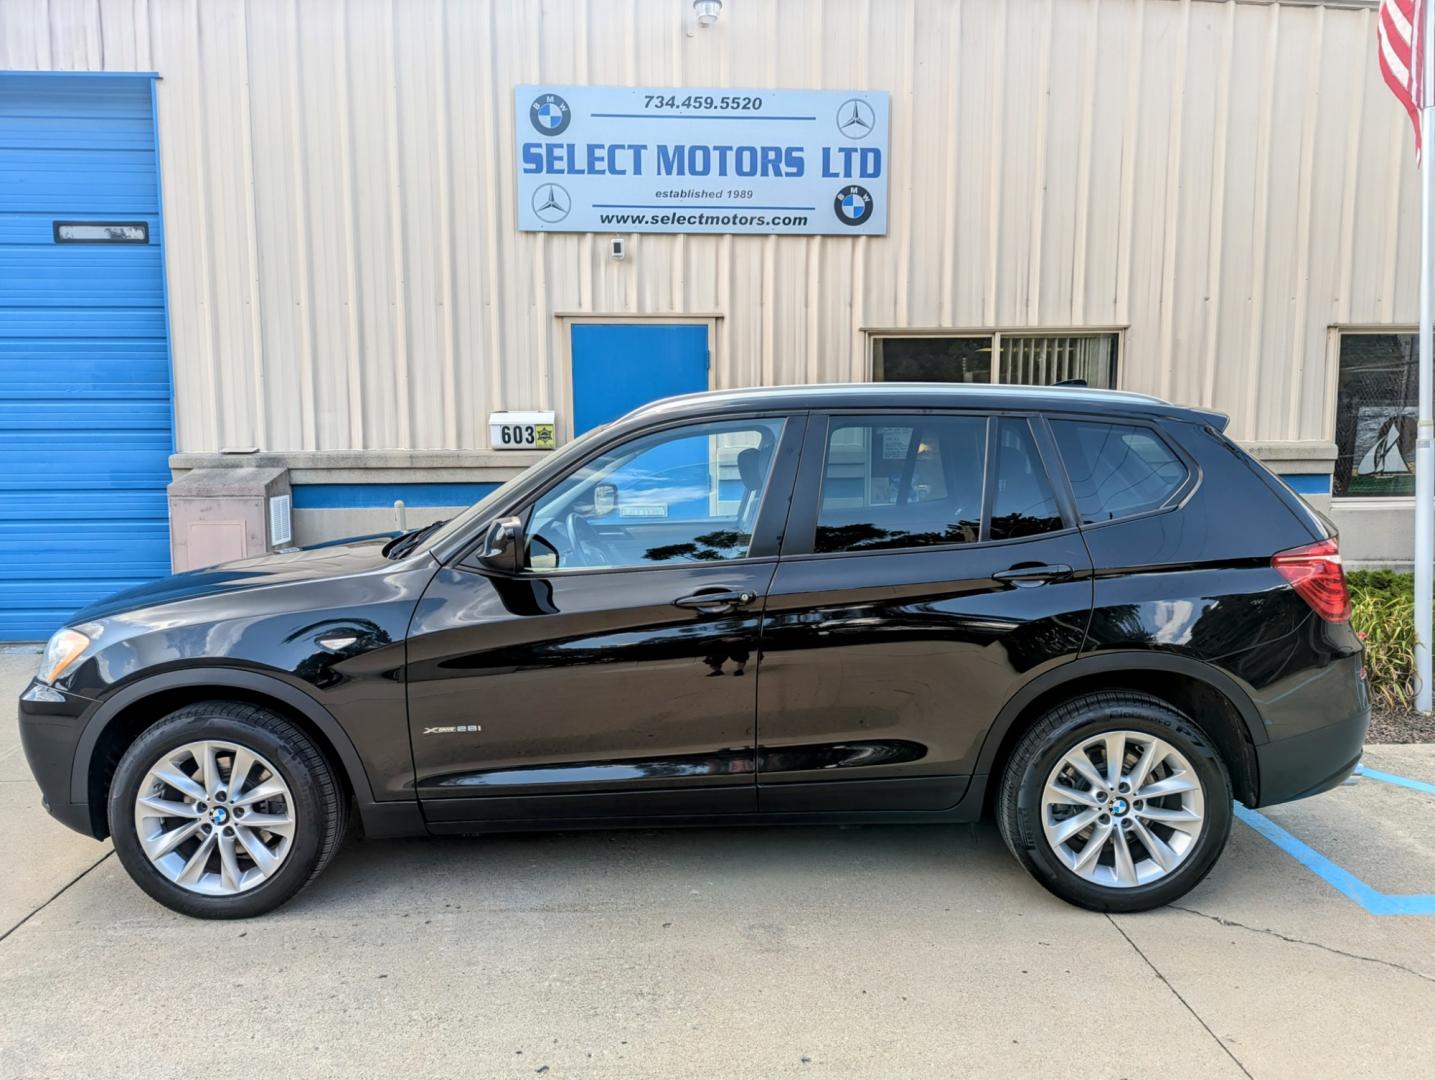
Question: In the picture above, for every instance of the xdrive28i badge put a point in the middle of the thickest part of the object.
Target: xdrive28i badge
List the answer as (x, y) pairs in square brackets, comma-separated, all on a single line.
[(454, 729), (549, 114), (853, 204)]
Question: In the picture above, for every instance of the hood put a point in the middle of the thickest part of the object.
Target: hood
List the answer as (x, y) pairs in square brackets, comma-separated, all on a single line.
[(279, 568)]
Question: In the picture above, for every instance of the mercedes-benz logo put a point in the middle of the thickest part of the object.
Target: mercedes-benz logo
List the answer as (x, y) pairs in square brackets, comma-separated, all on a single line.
[(549, 114), (551, 203), (853, 204), (855, 118)]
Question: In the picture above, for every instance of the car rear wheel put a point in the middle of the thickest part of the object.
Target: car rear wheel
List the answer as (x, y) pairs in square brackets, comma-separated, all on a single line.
[(225, 810), (1116, 802)]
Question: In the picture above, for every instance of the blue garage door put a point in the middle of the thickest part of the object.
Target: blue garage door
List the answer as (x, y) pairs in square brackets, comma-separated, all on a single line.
[(619, 366), (85, 417)]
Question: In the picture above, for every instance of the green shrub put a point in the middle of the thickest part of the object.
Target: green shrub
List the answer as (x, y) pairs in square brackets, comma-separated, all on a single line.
[(1383, 614)]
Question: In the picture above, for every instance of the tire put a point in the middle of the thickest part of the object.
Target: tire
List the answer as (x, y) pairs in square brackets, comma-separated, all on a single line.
[(1123, 874), (294, 789)]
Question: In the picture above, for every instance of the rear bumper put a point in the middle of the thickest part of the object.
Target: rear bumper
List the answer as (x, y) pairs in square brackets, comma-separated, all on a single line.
[(1311, 762)]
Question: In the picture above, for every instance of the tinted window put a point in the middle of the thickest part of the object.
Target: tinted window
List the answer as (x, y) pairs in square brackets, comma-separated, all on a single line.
[(902, 481), (933, 359), (1116, 470), (1375, 411), (691, 494), (1022, 504)]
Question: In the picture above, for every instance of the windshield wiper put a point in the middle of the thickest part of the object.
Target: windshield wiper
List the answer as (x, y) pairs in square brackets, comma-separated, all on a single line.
[(400, 546)]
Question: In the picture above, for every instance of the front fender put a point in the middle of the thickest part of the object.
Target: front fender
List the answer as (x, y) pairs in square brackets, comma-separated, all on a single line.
[(390, 818)]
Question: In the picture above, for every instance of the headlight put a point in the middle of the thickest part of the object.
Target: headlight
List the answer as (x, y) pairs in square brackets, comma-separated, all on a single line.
[(63, 650)]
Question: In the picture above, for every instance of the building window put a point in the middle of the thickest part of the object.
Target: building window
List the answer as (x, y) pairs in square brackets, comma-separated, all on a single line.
[(1375, 414), (1023, 358)]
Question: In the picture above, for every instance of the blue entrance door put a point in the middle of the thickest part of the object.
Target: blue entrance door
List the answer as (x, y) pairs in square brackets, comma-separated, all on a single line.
[(619, 366), (85, 420)]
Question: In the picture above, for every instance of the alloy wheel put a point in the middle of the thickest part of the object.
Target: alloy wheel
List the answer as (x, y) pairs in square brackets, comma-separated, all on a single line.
[(215, 817), (1122, 809)]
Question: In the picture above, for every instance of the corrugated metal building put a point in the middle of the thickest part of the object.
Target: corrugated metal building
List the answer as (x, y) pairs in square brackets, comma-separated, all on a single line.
[(1209, 201)]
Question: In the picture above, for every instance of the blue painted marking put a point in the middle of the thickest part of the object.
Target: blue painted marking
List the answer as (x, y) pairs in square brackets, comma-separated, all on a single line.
[(619, 366), (357, 496), (86, 419), (1337, 877), (1308, 483), (1398, 781)]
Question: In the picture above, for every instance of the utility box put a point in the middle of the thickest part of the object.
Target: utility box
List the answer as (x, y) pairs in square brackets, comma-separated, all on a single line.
[(220, 515)]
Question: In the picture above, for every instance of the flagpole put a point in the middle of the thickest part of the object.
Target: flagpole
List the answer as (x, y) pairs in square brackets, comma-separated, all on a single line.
[(1425, 433)]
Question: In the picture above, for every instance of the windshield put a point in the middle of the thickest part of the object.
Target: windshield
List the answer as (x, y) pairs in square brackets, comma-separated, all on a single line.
[(559, 459)]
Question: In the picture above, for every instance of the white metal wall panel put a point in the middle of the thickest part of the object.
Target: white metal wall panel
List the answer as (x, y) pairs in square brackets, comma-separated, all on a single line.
[(1227, 180)]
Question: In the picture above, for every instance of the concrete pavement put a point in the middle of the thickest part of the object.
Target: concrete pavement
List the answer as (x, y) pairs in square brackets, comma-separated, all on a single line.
[(880, 951)]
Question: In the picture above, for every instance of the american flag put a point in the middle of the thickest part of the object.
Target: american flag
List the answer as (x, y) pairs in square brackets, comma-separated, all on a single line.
[(1402, 53)]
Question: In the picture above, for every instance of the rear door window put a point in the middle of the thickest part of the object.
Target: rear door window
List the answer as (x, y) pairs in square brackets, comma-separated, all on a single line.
[(901, 482), (896, 481), (1117, 470), (1022, 504)]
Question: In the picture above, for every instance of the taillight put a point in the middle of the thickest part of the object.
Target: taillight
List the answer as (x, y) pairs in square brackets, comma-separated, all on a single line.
[(1314, 571)]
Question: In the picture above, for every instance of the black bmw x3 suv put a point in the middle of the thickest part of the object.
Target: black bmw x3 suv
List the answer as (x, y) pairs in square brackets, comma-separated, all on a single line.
[(1088, 614)]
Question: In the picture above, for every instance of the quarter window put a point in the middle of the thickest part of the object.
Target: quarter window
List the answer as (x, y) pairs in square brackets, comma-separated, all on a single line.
[(901, 482), (1116, 470), (687, 495)]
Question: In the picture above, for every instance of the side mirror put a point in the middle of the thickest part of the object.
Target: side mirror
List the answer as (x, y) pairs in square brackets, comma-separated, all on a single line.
[(502, 547)]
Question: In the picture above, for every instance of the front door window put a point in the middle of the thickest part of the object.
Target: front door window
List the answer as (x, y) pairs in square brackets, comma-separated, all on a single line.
[(687, 495)]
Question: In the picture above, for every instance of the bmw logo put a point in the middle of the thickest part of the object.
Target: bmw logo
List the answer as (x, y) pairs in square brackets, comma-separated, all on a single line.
[(853, 204), (549, 114), (220, 815)]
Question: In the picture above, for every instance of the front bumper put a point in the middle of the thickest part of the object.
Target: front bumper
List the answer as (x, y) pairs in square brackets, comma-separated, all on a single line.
[(51, 722), (1311, 762)]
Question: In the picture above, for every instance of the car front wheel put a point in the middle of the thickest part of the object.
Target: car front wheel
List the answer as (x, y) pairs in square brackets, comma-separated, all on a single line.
[(1116, 802), (224, 810)]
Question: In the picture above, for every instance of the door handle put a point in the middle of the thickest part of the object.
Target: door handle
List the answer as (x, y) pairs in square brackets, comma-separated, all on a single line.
[(715, 601), (1025, 577)]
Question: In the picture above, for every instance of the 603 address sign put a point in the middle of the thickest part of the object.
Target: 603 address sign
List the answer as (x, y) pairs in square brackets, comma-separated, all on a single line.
[(538, 436)]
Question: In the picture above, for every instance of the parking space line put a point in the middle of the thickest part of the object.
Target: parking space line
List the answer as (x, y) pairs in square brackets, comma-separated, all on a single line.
[(1337, 877), (1398, 781)]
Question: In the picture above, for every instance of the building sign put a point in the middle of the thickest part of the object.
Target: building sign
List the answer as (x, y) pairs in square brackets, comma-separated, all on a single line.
[(621, 159), (521, 430)]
